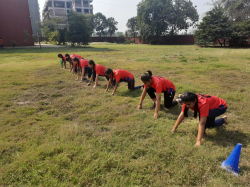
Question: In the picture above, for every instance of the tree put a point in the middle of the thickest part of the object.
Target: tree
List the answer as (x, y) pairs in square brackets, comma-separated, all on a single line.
[(91, 22), (183, 16), (62, 36), (214, 26), (237, 10), (160, 17), (132, 26), (79, 30), (100, 23), (45, 32), (54, 37), (56, 21), (111, 26)]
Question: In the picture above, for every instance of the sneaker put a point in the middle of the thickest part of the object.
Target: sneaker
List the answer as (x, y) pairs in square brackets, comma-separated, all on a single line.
[(179, 98), (153, 106)]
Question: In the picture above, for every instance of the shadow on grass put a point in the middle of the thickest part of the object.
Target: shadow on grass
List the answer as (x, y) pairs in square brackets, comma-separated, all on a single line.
[(131, 93), (227, 138), (72, 50)]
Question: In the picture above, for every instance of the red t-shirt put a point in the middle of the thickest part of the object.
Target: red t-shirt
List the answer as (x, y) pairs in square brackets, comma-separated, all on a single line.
[(71, 58), (122, 74), (77, 56), (64, 58), (1, 41), (100, 70), (83, 63), (206, 103), (161, 84)]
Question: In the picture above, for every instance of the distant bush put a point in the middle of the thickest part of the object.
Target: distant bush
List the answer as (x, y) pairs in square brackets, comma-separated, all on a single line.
[(13, 43)]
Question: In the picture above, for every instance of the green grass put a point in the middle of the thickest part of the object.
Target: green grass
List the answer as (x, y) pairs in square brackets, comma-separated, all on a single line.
[(59, 132)]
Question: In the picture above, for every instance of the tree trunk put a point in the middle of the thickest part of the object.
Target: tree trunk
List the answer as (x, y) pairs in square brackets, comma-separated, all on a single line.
[(219, 42)]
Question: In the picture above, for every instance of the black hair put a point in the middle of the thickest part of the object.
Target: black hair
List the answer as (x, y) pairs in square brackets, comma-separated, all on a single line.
[(60, 55), (66, 55), (109, 71), (67, 58), (146, 76), (91, 62), (77, 62), (190, 97)]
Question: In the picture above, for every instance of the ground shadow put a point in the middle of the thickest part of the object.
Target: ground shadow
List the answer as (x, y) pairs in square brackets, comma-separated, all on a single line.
[(227, 138), (131, 93)]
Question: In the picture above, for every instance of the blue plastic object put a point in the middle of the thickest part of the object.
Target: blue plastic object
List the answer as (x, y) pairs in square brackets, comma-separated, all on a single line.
[(232, 162)]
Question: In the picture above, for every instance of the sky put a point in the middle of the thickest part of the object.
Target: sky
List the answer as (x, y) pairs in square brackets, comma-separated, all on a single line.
[(122, 10)]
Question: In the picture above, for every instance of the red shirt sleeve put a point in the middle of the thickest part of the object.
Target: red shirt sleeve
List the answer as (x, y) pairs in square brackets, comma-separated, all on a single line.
[(183, 107), (204, 110)]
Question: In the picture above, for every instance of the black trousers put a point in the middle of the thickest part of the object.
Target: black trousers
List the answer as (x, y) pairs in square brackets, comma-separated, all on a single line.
[(94, 75), (168, 97)]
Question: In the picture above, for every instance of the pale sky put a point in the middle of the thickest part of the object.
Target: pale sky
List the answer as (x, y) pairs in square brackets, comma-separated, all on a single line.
[(122, 10)]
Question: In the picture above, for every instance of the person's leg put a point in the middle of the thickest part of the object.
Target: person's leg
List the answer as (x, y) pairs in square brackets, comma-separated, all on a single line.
[(211, 122), (168, 100), (133, 85), (151, 92), (89, 72)]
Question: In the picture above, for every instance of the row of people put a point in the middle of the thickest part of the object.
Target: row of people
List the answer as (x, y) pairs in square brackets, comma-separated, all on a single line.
[(208, 107)]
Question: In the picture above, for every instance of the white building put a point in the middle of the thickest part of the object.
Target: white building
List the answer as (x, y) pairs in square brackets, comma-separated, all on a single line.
[(34, 16), (60, 8)]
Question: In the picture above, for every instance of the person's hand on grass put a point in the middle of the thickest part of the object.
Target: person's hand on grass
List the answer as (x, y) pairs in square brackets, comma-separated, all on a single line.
[(139, 107)]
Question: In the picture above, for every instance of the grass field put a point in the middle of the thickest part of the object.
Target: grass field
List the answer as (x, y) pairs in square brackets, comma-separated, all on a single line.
[(55, 131)]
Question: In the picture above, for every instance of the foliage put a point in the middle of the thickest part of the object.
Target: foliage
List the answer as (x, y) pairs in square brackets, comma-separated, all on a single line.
[(45, 32), (54, 37), (13, 43), (56, 21), (62, 36), (161, 17), (121, 39), (79, 30), (214, 26), (26, 36), (111, 26), (100, 23), (132, 26), (237, 10)]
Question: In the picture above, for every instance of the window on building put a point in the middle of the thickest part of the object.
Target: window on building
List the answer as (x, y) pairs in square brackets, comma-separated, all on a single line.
[(69, 4), (85, 2), (86, 11), (59, 4), (78, 3), (68, 11), (79, 10)]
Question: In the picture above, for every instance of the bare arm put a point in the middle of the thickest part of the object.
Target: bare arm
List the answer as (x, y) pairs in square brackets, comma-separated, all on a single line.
[(91, 78), (178, 121), (201, 130), (96, 80), (158, 103), (110, 80), (83, 72), (143, 95), (116, 85)]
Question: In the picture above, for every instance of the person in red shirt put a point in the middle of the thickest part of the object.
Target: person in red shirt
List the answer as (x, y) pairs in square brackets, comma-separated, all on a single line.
[(159, 85), (209, 107), (63, 60), (120, 75), (97, 70), (1, 43), (69, 58), (82, 66)]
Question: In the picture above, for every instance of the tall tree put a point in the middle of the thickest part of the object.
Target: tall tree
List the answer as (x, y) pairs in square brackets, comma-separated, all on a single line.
[(183, 16), (79, 30), (100, 23), (111, 26), (132, 26), (214, 26), (161, 17), (237, 10)]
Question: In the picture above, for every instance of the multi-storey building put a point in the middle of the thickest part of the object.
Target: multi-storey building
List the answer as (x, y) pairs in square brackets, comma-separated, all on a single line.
[(60, 8), (34, 16)]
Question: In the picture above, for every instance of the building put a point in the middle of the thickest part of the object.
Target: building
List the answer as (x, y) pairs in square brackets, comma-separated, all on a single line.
[(60, 8), (15, 19), (34, 16)]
